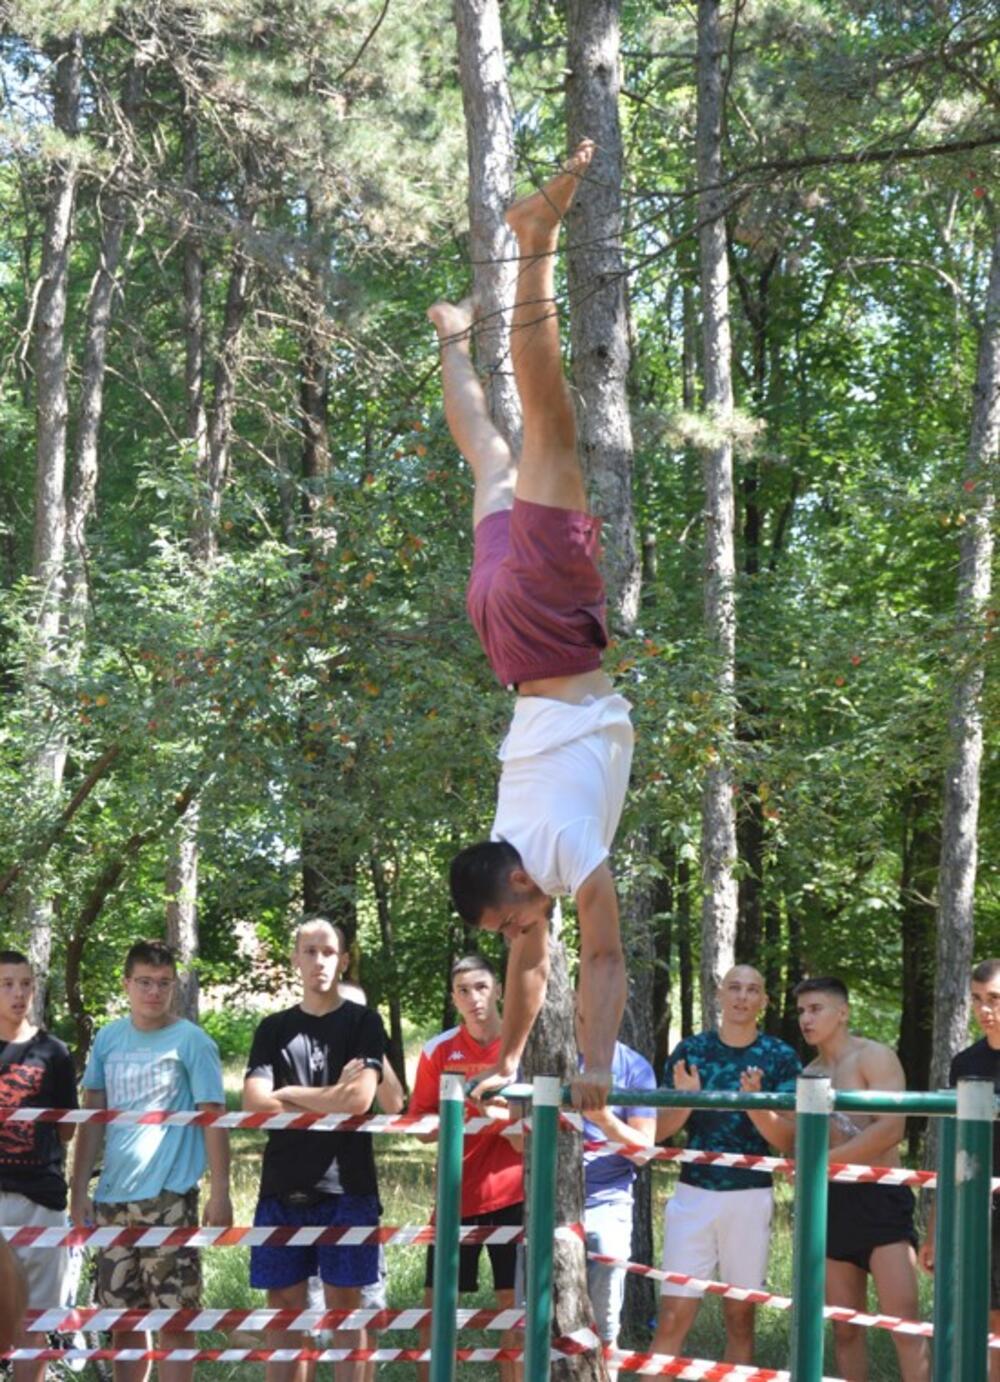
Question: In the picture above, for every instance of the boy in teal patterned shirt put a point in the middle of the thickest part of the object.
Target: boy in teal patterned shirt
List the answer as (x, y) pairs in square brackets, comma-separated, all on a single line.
[(718, 1223)]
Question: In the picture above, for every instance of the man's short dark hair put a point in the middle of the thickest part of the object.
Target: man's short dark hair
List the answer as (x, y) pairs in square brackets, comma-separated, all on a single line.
[(158, 954), (13, 957), (480, 876), (822, 983), (985, 971), (468, 964)]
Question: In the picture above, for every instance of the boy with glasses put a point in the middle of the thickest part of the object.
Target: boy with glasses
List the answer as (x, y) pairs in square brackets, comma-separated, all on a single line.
[(152, 1061)]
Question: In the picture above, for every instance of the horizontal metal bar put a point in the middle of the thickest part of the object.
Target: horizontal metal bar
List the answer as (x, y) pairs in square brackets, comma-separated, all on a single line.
[(933, 1103)]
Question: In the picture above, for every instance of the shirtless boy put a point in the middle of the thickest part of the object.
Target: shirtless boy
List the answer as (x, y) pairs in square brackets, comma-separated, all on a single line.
[(869, 1227), (536, 600)]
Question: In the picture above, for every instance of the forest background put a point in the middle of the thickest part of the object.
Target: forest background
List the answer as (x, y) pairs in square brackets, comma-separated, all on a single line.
[(237, 679)]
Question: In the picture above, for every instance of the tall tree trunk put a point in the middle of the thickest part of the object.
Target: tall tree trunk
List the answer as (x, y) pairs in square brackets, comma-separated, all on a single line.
[(49, 550), (397, 1053), (685, 962), (100, 305), (599, 339), (921, 848), (960, 813), (489, 133), (599, 334), (718, 834)]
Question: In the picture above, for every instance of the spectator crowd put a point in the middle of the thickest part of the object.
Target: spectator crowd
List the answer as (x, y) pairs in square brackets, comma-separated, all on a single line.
[(326, 1054)]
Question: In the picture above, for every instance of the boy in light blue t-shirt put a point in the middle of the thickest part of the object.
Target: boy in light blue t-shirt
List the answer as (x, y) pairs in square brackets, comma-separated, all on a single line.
[(152, 1061)]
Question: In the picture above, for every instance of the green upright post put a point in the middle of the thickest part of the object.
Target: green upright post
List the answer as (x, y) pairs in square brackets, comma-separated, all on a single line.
[(546, 1098), (973, 1165), (944, 1252), (813, 1106), (448, 1219)]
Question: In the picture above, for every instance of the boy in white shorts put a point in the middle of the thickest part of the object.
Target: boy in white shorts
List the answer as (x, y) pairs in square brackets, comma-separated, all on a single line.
[(718, 1223), (36, 1071), (536, 599)]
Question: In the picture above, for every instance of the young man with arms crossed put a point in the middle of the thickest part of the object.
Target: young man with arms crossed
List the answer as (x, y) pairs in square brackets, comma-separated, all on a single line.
[(982, 1059), (36, 1071), (609, 1183), (492, 1168), (717, 1225), (537, 602), (324, 1055), (151, 1060), (869, 1227)]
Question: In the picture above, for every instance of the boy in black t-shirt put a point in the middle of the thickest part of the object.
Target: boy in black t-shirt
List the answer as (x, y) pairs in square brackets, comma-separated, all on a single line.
[(982, 1059), (36, 1071), (316, 1179)]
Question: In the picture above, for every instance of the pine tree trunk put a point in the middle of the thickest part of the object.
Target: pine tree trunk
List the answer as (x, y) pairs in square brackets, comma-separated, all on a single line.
[(599, 334), (49, 551), (960, 814), (718, 834), (551, 1050), (182, 909), (489, 132), (920, 853)]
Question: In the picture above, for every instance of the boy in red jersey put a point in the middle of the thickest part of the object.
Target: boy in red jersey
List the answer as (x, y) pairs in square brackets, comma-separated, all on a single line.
[(492, 1169)]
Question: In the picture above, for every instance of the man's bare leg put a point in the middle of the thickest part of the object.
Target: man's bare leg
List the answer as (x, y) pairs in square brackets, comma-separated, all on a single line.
[(472, 429), (894, 1271), (847, 1285), (549, 472)]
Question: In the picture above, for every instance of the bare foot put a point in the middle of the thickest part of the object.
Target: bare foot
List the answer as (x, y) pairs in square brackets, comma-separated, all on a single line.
[(535, 219), (453, 321)]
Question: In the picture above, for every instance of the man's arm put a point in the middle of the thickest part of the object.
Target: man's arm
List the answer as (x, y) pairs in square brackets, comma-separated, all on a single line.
[(638, 1131), (353, 1096), (390, 1095), (88, 1148), (259, 1096), (602, 985), (524, 993), (218, 1212)]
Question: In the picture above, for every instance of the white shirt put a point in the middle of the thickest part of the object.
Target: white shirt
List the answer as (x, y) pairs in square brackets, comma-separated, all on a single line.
[(562, 787)]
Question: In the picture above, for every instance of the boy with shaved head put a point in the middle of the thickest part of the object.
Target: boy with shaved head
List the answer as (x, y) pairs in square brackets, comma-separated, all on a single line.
[(323, 1055), (718, 1223)]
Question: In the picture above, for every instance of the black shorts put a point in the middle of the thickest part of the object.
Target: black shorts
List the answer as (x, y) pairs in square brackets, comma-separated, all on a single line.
[(503, 1256), (862, 1218)]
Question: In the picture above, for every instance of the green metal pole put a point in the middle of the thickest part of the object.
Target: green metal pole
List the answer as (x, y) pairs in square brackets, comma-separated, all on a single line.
[(944, 1252), (813, 1106), (546, 1098), (448, 1219), (973, 1164)]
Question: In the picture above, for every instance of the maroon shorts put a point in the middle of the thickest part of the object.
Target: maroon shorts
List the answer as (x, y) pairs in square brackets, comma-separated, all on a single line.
[(535, 596)]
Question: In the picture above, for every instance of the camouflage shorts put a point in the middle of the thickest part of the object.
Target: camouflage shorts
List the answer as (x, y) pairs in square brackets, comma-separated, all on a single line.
[(150, 1278)]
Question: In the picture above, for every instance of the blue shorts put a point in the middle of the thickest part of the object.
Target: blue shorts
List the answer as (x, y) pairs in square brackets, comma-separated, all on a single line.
[(273, 1268)]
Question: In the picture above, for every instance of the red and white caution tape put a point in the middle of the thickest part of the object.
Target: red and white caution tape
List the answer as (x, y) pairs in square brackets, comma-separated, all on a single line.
[(663, 1365), (159, 1236), (415, 1123), (852, 1172), (568, 1346), (842, 1314), (97, 1319)]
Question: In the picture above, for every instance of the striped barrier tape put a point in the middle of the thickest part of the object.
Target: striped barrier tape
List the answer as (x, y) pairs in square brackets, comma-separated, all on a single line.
[(568, 1346), (420, 1124), (662, 1365), (97, 1319), (840, 1313), (159, 1236), (853, 1172)]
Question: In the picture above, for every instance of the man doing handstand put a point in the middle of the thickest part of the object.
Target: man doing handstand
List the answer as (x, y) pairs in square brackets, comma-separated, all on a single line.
[(536, 599)]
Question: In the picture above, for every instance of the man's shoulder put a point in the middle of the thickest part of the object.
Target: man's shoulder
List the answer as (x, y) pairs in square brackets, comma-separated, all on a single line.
[(445, 1045), (49, 1047), (972, 1060), (111, 1032), (776, 1049), (195, 1037), (632, 1068)]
